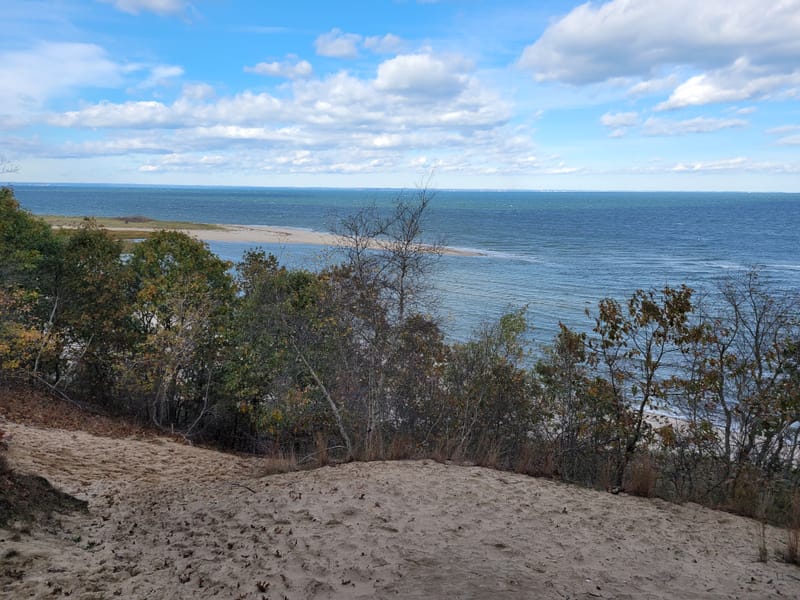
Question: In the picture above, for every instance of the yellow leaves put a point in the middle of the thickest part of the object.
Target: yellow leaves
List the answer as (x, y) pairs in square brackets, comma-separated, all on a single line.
[(667, 435)]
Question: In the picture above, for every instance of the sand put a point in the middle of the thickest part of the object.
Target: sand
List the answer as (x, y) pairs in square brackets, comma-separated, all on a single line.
[(266, 234), (168, 520)]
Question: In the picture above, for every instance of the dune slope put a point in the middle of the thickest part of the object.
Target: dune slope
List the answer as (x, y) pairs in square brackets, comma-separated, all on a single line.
[(167, 520)]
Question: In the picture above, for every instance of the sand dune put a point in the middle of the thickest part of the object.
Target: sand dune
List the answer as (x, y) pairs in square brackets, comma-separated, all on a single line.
[(172, 521)]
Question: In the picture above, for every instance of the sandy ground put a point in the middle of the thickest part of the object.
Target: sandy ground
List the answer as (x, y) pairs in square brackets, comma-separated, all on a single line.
[(266, 234), (168, 520)]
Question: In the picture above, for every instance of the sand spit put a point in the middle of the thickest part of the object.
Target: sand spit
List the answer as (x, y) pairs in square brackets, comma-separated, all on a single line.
[(266, 234), (172, 521)]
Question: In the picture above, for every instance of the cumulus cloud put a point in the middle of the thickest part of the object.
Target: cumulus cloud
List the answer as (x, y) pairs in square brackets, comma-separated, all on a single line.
[(423, 74), (411, 103), (338, 44), (161, 7), (293, 68), (632, 38), (733, 50)]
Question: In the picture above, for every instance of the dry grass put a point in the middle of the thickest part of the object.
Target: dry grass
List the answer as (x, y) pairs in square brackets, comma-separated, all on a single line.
[(402, 447), (4, 466), (642, 478), (793, 530), (321, 445), (277, 463), (536, 460)]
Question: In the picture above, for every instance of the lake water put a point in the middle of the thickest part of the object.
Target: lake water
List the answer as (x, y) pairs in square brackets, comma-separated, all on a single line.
[(557, 252)]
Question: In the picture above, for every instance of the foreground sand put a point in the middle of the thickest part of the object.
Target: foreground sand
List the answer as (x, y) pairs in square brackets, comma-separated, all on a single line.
[(171, 521)]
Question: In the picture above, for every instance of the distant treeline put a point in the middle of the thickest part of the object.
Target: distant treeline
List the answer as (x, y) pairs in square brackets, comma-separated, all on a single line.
[(346, 363)]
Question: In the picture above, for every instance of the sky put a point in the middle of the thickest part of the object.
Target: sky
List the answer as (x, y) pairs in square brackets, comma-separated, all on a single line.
[(495, 94)]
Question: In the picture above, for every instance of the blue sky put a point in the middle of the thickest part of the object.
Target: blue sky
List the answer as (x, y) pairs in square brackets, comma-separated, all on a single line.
[(624, 94)]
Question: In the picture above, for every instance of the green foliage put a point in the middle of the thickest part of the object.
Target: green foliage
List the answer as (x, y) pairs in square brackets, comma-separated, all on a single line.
[(27, 244), (489, 391), (180, 296)]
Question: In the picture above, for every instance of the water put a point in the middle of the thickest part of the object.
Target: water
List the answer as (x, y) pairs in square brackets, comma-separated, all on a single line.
[(557, 252)]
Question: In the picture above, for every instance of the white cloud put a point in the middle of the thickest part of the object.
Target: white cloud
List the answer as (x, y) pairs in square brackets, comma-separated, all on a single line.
[(337, 44), (423, 74), (49, 70), (737, 164), (293, 68), (161, 7), (416, 102), (624, 119), (120, 146), (790, 135), (651, 87), (114, 115), (664, 127), (386, 44), (197, 91), (783, 129), (161, 75), (633, 38), (740, 81)]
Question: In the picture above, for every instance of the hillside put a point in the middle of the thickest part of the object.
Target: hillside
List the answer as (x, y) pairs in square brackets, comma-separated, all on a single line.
[(168, 520)]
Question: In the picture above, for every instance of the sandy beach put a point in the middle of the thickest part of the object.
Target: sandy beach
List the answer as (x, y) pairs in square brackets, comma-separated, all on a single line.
[(167, 520), (266, 234)]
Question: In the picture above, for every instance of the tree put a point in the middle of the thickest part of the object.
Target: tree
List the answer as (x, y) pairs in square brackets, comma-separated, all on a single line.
[(294, 339), (180, 295), (409, 260), (28, 247), (632, 347), (576, 415), (740, 379), (93, 315), (388, 259), (29, 257)]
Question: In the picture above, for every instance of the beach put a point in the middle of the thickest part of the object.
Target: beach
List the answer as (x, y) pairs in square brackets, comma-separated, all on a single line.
[(168, 520)]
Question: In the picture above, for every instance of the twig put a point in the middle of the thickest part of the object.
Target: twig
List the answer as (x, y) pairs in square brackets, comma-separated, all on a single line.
[(310, 456), (241, 485)]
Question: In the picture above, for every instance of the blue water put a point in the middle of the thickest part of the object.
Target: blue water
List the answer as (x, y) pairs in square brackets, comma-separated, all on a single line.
[(557, 252)]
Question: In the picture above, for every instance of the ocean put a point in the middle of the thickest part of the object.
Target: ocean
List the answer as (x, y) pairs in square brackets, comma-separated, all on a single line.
[(558, 253)]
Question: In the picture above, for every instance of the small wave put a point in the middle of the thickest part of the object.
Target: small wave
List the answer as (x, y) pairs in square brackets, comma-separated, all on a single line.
[(511, 256)]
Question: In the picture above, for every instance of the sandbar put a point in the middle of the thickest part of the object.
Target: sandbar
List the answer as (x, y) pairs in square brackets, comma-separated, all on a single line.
[(268, 234)]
